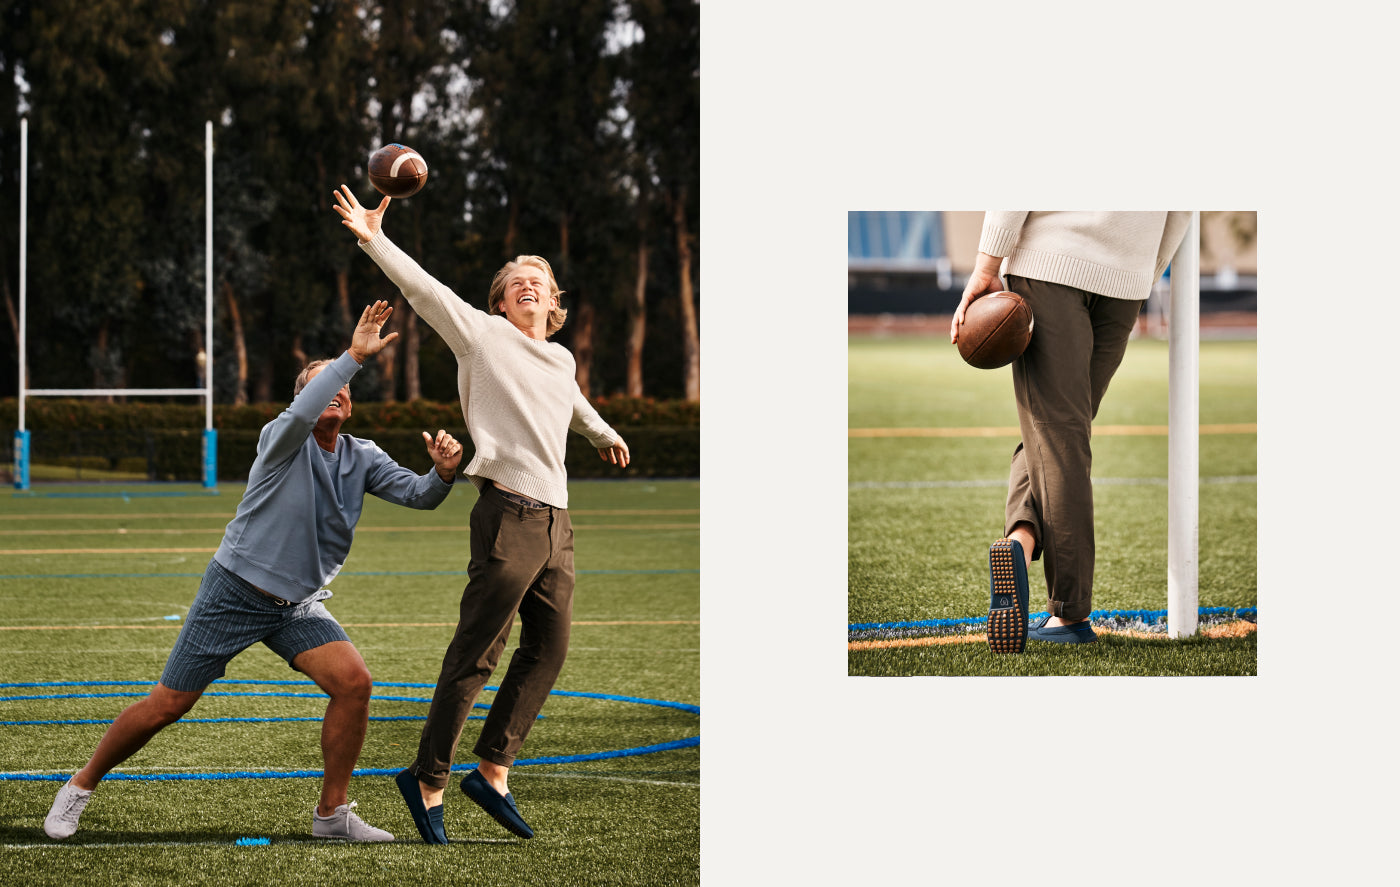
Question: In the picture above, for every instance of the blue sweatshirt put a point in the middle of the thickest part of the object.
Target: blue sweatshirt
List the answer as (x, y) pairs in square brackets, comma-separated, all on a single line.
[(293, 529)]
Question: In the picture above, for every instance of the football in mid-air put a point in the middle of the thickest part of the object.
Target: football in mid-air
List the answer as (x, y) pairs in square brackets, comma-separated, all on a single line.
[(397, 170), (996, 330)]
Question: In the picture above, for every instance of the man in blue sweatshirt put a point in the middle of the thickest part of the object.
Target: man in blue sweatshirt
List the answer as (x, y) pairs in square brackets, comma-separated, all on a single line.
[(287, 541)]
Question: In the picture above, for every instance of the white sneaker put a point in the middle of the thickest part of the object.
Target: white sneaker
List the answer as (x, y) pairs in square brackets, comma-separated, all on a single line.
[(62, 820), (342, 825)]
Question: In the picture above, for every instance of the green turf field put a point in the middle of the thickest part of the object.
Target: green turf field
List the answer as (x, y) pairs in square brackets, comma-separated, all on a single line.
[(89, 586), (923, 510)]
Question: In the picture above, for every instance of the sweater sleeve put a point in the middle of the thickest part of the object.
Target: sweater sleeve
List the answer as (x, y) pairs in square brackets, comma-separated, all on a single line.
[(587, 422), (283, 436), (1172, 234), (1000, 231), (394, 483), (458, 323)]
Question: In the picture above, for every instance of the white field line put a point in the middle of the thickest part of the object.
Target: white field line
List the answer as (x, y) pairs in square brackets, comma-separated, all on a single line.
[(607, 779)]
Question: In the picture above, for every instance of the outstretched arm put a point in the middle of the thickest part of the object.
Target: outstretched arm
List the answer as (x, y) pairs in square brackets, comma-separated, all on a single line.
[(452, 318)]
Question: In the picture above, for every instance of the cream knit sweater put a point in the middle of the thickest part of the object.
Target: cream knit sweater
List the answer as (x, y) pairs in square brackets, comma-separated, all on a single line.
[(519, 396), (1116, 254)]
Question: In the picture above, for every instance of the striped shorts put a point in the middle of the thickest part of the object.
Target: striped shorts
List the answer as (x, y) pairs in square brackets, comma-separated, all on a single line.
[(229, 615)]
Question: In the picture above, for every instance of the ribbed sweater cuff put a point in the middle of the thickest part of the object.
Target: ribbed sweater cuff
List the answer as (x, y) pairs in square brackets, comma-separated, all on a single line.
[(998, 241)]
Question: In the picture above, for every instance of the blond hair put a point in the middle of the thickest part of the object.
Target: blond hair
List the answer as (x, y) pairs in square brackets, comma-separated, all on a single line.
[(498, 289)]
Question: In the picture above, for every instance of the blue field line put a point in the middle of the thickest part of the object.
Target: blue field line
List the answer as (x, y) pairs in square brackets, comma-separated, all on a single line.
[(682, 706), (260, 683), (32, 576), (82, 721), (1147, 616), (636, 700), (688, 742), (267, 693)]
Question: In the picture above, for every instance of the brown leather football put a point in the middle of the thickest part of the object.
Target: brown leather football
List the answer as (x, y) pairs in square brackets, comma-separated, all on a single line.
[(397, 170), (996, 330)]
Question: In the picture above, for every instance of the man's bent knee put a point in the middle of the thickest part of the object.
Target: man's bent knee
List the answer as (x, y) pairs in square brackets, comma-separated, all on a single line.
[(169, 706), (338, 669)]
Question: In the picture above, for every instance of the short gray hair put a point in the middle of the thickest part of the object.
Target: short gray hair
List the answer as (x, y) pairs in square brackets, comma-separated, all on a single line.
[(306, 374)]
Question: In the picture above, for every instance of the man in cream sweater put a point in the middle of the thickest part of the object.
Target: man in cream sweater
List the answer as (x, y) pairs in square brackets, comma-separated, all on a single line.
[(519, 400), (1085, 275)]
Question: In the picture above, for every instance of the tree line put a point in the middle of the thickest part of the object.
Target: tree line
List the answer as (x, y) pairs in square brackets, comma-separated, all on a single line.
[(563, 128)]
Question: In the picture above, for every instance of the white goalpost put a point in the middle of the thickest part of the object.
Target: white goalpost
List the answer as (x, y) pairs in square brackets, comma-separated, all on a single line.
[(1183, 434), (210, 437)]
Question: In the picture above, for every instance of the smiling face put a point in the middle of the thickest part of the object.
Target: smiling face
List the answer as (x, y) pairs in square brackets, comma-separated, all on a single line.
[(526, 292), (528, 300)]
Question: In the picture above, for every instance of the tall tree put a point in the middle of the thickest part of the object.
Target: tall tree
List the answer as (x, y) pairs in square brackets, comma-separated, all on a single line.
[(95, 70), (411, 63), (543, 83), (14, 47), (664, 101)]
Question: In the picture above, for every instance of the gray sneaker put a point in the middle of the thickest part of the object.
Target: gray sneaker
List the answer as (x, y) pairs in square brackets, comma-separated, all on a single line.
[(62, 820), (343, 825)]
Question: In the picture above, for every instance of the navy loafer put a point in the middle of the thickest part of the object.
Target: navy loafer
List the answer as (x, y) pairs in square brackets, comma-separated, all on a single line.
[(1078, 633), (500, 807), (1011, 598), (428, 822)]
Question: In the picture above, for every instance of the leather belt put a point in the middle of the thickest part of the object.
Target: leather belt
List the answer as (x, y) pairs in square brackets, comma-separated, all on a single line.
[(275, 599)]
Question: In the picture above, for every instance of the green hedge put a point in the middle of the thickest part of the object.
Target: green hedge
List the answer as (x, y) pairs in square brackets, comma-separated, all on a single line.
[(664, 436)]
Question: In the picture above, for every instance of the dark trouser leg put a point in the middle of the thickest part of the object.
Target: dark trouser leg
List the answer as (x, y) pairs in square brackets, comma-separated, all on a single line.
[(545, 617), (510, 547), (1079, 342)]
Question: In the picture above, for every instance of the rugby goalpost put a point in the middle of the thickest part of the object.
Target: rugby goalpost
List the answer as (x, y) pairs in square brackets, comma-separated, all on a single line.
[(210, 438), (1183, 433)]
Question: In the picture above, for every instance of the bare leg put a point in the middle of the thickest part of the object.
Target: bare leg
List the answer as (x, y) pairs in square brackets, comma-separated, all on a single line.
[(494, 774), (432, 797), (339, 670), (132, 729)]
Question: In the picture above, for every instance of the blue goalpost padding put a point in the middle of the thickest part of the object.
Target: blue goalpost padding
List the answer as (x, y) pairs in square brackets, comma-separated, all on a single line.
[(21, 460), (211, 458)]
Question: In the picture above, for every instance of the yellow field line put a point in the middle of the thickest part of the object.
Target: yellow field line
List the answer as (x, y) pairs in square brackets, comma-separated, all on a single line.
[(1236, 629), (345, 624), (1117, 430), (119, 531), (224, 515), (108, 550), (227, 515)]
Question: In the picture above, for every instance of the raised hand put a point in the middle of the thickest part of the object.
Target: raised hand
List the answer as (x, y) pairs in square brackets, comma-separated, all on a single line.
[(364, 222), (365, 342), (446, 453)]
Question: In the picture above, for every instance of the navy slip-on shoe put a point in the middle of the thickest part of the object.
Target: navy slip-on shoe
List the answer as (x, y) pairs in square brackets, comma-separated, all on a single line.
[(1011, 598), (1078, 633), (500, 807), (428, 822)]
